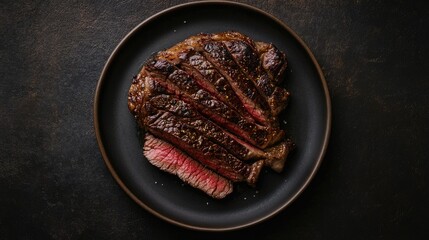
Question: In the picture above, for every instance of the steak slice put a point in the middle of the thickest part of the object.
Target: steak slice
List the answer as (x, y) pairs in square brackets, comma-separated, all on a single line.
[(273, 60), (172, 160), (179, 111), (246, 56), (178, 82)]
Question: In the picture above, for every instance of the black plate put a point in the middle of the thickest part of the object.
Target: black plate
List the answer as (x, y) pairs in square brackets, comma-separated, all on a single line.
[(308, 118)]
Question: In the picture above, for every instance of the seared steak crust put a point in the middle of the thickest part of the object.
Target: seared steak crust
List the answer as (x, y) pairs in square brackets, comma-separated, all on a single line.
[(176, 81), (211, 102)]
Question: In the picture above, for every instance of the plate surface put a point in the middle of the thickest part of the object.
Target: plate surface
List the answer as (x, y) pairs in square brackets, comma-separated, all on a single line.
[(307, 119)]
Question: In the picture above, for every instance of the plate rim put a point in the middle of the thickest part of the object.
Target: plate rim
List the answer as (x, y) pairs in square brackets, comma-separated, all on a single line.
[(113, 172)]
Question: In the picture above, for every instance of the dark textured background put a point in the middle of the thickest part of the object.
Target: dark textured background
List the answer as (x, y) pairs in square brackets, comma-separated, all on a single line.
[(373, 183)]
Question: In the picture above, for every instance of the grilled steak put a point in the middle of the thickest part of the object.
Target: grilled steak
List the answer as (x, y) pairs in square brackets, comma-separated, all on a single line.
[(179, 111), (210, 107), (176, 81)]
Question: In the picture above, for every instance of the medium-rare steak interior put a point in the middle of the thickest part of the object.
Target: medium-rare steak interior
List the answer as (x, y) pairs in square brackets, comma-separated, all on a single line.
[(209, 106)]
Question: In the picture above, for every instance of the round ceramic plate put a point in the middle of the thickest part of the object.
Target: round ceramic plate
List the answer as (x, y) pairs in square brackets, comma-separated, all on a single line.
[(307, 119)]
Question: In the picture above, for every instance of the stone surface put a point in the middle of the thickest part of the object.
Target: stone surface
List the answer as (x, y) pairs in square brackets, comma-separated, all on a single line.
[(372, 184)]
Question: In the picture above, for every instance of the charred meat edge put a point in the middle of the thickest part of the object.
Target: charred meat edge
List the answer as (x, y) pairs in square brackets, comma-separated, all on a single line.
[(273, 60)]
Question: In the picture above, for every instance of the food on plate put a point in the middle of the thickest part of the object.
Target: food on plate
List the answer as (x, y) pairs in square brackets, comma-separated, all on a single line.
[(209, 106)]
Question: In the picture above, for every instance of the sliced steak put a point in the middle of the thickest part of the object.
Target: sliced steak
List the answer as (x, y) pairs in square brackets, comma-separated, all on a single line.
[(203, 150), (172, 160), (165, 126), (178, 82), (188, 56), (246, 56), (218, 56), (209, 106), (246, 90), (273, 60), (179, 111)]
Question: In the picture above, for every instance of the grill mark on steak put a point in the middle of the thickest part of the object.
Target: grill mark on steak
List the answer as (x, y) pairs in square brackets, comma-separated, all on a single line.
[(245, 53), (179, 111), (172, 107), (202, 149), (252, 133), (178, 82), (189, 54), (219, 56), (247, 58), (272, 60), (172, 160), (215, 53), (198, 67)]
